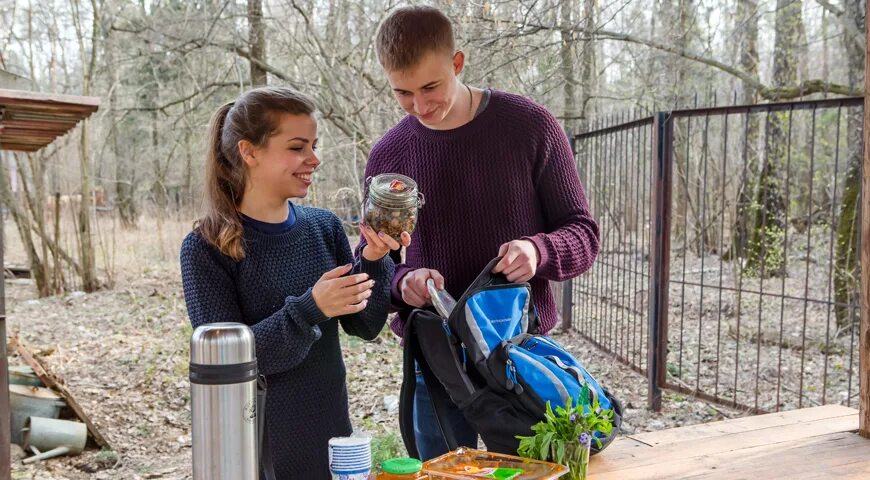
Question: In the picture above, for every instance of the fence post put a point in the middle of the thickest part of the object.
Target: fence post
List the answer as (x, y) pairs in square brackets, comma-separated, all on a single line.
[(567, 305), (660, 249), (568, 285)]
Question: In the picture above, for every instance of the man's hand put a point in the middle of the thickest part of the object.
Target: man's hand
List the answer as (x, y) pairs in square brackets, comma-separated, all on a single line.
[(413, 286), (519, 261)]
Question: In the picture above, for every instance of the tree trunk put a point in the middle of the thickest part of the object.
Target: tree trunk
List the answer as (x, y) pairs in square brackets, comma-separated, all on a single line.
[(567, 53), (847, 274), (257, 41), (159, 186), (766, 245), (123, 186), (36, 206), (675, 18), (588, 75), (88, 257), (747, 19), (22, 222)]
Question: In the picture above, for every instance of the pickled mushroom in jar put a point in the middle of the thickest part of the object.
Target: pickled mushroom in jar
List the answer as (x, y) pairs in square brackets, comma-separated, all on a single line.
[(391, 222), (392, 204), (398, 186)]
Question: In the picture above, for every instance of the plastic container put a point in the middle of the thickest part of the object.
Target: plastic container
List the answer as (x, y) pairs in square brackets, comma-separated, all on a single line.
[(350, 458), (471, 464), (401, 469), (392, 203)]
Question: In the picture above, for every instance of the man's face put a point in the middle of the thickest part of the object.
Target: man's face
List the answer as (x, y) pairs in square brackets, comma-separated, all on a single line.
[(429, 89)]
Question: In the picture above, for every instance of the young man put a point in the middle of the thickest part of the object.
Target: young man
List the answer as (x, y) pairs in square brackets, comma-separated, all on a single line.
[(499, 179)]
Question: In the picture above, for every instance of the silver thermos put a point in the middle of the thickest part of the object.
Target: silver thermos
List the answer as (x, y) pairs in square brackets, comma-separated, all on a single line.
[(223, 390)]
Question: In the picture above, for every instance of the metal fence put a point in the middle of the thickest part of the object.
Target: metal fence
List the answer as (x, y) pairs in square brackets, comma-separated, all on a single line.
[(729, 263)]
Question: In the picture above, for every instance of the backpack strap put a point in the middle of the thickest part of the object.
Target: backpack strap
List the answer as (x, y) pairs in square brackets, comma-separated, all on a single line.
[(265, 449), (406, 395), (412, 357), (438, 397)]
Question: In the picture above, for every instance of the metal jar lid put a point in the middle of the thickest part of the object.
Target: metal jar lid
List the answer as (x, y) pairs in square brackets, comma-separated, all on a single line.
[(394, 190)]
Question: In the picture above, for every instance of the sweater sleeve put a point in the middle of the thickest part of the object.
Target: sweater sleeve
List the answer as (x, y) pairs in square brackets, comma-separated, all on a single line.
[(282, 339), (570, 243), (368, 323)]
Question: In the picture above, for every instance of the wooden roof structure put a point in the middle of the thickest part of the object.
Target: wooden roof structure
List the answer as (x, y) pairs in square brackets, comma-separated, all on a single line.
[(32, 120), (28, 122)]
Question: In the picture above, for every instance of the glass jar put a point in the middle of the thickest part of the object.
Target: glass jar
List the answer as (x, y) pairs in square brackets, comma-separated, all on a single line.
[(401, 469), (392, 203)]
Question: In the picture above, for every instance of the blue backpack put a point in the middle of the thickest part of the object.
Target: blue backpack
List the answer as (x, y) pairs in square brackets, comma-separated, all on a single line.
[(488, 360)]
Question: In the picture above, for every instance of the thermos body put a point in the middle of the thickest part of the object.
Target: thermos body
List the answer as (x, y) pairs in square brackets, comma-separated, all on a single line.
[(223, 384)]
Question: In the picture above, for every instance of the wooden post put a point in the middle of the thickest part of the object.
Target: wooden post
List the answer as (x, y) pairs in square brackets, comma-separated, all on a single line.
[(864, 337), (5, 427)]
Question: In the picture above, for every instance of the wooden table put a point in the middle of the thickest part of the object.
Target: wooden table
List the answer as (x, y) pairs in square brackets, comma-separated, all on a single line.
[(818, 442)]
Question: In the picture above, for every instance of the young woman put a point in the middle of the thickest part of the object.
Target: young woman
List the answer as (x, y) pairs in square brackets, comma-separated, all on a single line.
[(285, 270)]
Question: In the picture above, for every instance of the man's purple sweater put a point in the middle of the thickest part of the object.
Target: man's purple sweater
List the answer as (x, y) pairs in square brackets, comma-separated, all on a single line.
[(508, 174)]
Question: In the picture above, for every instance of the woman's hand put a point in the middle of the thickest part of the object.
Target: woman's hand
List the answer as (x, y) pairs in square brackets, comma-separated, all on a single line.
[(380, 244), (336, 295)]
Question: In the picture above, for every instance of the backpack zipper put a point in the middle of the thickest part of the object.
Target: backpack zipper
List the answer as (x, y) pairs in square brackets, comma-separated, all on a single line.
[(446, 327), (511, 374)]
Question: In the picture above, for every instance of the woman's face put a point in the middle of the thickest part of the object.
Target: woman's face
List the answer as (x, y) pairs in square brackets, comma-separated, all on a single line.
[(284, 166)]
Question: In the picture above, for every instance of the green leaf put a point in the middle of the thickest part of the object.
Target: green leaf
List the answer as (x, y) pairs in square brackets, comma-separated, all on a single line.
[(560, 453), (549, 415), (545, 445)]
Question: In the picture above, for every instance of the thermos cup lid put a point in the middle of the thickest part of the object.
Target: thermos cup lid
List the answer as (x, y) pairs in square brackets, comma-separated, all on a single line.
[(222, 344)]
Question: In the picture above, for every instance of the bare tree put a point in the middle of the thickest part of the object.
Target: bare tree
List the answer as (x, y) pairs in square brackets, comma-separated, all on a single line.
[(89, 60), (847, 273), (567, 55), (766, 245), (257, 41), (747, 34)]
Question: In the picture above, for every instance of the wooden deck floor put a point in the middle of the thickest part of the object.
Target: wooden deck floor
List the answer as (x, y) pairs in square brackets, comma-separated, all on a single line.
[(818, 442)]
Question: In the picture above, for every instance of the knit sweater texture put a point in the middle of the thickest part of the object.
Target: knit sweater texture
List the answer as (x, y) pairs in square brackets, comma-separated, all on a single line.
[(297, 346), (507, 174)]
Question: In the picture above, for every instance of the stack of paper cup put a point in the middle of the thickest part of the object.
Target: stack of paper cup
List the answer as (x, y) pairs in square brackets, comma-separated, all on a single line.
[(350, 458)]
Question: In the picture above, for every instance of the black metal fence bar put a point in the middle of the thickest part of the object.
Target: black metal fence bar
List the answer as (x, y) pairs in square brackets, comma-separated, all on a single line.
[(748, 228), (659, 254), (608, 302)]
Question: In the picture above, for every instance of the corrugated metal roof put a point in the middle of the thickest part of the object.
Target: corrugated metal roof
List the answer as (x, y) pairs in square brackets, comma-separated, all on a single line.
[(32, 120)]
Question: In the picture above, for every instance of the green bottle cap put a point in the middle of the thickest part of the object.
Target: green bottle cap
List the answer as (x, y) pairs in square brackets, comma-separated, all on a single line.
[(402, 465)]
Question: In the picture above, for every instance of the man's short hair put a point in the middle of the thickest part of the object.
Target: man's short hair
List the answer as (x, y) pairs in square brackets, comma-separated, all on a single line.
[(409, 33)]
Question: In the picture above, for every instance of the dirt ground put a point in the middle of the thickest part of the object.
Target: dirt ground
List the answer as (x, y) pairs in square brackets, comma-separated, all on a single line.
[(123, 353)]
